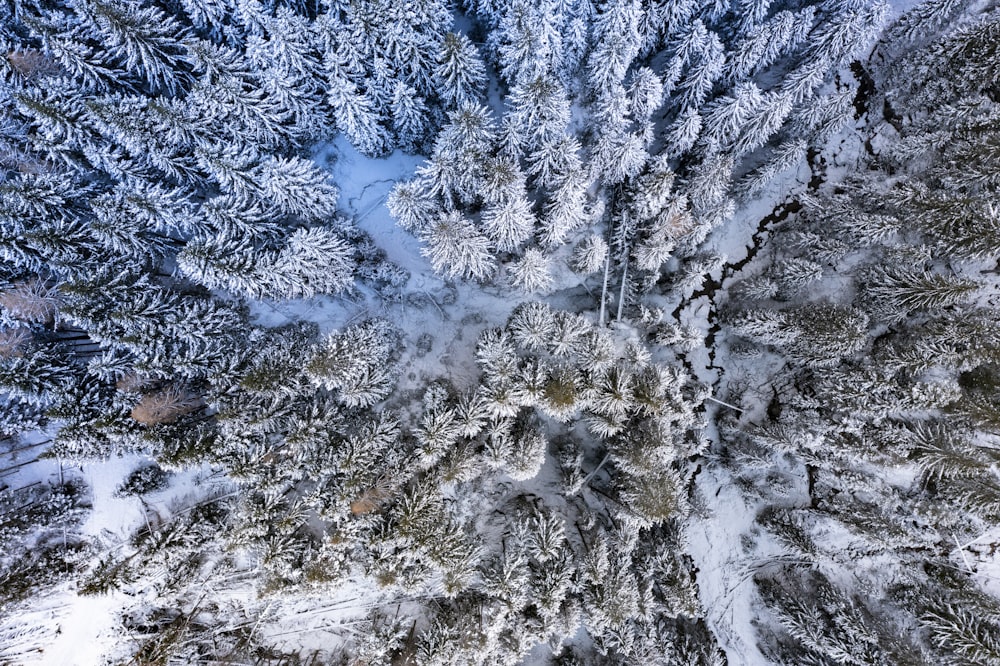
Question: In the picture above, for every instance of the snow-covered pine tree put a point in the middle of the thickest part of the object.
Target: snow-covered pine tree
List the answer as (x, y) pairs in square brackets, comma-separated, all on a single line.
[(555, 160), (531, 273), (314, 260), (456, 248), (540, 109), (460, 73), (356, 362), (409, 117), (136, 38), (508, 224), (566, 210), (590, 255), (618, 39), (906, 288), (357, 117), (502, 180), (410, 205)]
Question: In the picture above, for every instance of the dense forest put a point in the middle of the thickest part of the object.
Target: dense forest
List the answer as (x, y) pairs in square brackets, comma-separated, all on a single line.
[(567, 332)]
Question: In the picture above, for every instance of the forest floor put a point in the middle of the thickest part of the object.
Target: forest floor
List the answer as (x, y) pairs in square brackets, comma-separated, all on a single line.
[(440, 321), (724, 516)]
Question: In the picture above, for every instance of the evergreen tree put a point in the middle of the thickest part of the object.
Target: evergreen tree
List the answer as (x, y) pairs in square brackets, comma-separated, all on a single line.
[(502, 180), (357, 117), (410, 205), (356, 363), (409, 117), (645, 94), (850, 28), (314, 260), (540, 109), (708, 61), (906, 289), (590, 255), (136, 38), (555, 161), (616, 30), (297, 187), (957, 629), (460, 73), (566, 211), (509, 224), (619, 156), (683, 133), (455, 248), (531, 273), (37, 376)]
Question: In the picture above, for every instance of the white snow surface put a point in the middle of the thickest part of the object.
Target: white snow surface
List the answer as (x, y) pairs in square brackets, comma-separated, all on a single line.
[(724, 570), (63, 628)]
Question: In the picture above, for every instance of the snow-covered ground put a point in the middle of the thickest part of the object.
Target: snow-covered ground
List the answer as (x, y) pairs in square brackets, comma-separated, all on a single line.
[(64, 628), (725, 568)]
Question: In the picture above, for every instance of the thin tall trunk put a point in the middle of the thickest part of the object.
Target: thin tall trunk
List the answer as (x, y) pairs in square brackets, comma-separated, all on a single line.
[(724, 404), (604, 290), (621, 293), (597, 469), (609, 234)]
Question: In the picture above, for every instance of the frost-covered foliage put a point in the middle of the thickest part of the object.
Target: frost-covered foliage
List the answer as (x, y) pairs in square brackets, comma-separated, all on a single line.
[(882, 405), (42, 547), (606, 104), (154, 167), (356, 362), (531, 490)]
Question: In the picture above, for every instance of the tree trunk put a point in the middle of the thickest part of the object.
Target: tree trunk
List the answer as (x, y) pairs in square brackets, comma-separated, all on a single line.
[(621, 293), (604, 290)]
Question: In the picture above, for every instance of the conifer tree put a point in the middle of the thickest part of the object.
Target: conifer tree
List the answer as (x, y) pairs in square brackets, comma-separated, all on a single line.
[(590, 255), (409, 117), (357, 117), (501, 180), (509, 224), (907, 289), (356, 363), (555, 160), (410, 205), (143, 39), (566, 211), (455, 248), (531, 273), (540, 109), (460, 73)]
